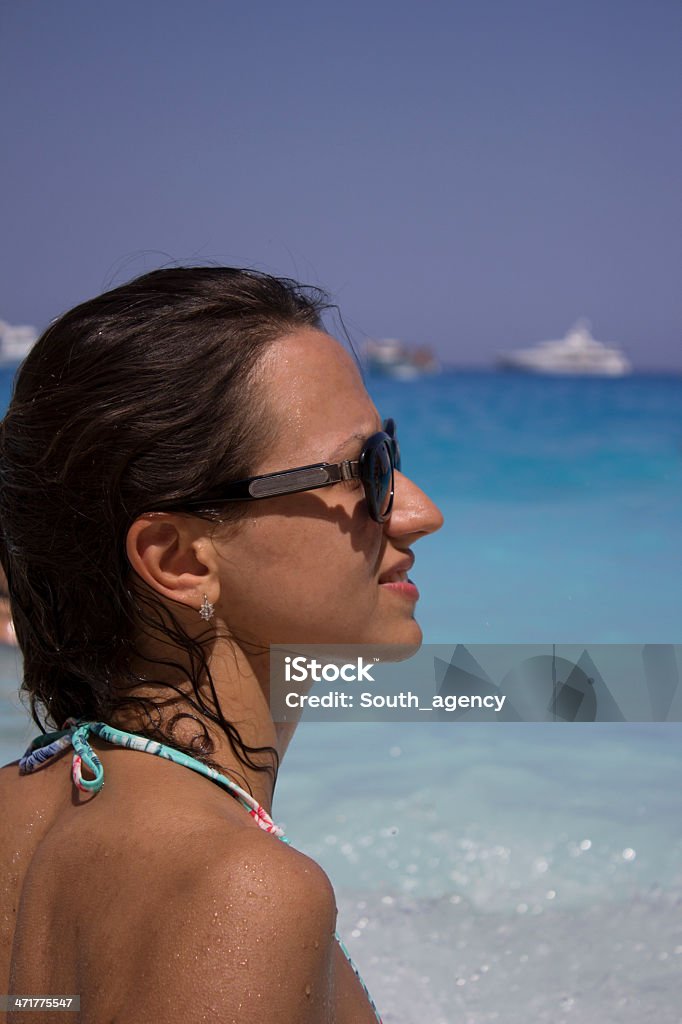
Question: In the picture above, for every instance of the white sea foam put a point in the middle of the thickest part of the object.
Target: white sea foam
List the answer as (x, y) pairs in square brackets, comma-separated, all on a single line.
[(432, 960)]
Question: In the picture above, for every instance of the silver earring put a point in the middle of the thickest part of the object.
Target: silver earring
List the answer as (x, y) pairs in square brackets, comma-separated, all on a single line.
[(207, 609)]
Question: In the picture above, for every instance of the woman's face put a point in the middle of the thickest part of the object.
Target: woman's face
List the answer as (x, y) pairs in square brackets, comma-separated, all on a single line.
[(306, 568)]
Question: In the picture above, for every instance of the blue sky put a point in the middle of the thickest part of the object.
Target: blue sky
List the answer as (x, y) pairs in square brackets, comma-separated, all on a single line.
[(471, 175)]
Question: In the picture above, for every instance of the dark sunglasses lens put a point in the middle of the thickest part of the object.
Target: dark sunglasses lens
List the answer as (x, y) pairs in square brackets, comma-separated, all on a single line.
[(380, 480), (390, 429)]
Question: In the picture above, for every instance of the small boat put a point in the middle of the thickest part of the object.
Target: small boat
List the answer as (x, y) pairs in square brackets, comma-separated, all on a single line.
[(392, 358), (15, 342), (576, 354)]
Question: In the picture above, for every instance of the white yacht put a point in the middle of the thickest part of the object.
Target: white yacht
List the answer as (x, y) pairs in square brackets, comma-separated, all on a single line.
[(15, 342), (578, 353)]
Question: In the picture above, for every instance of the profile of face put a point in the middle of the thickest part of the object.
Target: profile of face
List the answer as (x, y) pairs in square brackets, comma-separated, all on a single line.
[(306, 568)]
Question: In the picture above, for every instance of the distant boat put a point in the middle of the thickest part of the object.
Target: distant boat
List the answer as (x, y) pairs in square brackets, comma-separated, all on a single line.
[(15, 342), (392, 358), (577, 354)]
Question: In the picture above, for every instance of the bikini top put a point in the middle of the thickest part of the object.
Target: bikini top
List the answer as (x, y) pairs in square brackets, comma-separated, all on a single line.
[(75, 734)]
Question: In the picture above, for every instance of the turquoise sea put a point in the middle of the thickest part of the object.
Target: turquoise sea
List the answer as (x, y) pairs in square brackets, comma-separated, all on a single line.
[(521, 872)]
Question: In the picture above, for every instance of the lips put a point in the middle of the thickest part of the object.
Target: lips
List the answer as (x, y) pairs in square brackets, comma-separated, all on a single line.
[(398, 572)]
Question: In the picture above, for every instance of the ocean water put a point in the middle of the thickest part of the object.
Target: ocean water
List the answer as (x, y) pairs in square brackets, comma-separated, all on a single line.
[(521, 872)]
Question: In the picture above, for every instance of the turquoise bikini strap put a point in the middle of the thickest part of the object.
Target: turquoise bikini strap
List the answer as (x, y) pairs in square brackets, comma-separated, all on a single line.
[(87, 756)]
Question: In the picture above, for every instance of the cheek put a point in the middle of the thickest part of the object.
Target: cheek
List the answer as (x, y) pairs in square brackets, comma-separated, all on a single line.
[(300, 570), (315, 555)]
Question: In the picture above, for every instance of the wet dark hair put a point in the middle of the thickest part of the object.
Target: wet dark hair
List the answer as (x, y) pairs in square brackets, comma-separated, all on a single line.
[(140, 399)]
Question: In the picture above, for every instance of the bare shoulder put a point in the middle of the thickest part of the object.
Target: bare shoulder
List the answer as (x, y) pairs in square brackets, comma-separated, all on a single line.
[(202, 914), (247, 935), (9, 779)]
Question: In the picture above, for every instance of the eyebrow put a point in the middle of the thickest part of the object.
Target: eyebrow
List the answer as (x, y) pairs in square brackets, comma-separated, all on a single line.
[(343, 447)]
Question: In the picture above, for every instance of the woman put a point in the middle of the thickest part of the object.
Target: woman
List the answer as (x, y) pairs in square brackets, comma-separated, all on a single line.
[(145, 597)]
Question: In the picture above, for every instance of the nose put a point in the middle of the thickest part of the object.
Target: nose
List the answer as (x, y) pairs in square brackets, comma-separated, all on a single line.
[(413, 514)]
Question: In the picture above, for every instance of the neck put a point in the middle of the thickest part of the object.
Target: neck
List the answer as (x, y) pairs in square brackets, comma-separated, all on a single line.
[(241, 683), (241, 687)]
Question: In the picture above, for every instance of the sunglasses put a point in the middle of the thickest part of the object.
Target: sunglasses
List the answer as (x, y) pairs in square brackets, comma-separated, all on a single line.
[(375, 467)]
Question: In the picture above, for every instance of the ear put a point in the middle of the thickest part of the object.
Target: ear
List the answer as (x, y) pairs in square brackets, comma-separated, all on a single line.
[(173, 555)]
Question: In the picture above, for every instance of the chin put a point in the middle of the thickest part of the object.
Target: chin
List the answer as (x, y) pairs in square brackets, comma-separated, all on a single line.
[(405, 631)]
